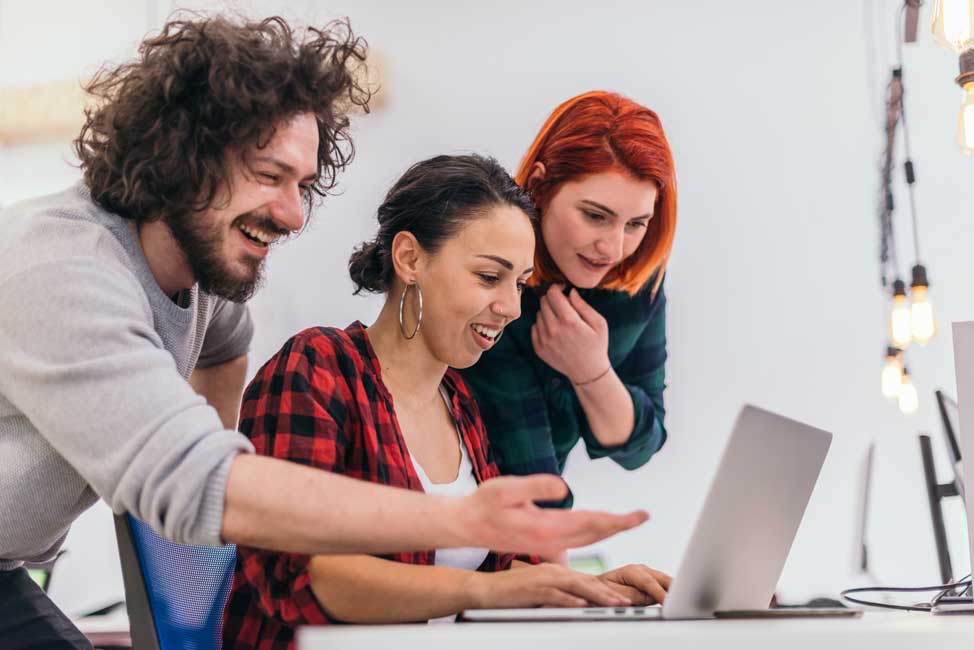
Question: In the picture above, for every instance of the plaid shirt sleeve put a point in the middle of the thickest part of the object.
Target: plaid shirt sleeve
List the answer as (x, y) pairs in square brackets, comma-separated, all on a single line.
[(289, 412), (643, 374)]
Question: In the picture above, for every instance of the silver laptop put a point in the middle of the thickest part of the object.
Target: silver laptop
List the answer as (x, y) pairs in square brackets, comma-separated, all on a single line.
[(743, 534)]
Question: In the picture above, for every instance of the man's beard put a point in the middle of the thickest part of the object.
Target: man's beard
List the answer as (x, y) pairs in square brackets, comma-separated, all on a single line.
[(202, 243)]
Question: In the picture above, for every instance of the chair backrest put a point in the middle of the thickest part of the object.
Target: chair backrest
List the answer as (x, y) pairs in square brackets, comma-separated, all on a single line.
[(175, 594)]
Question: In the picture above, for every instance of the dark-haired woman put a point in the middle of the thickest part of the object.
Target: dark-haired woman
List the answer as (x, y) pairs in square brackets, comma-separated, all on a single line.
[(454, 248), (587, 359)]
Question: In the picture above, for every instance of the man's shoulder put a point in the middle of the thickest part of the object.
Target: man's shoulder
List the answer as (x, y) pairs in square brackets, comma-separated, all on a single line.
[(60, 228)]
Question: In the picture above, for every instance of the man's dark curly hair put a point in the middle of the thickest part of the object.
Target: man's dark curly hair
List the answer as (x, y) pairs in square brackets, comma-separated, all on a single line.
[(159, 141)]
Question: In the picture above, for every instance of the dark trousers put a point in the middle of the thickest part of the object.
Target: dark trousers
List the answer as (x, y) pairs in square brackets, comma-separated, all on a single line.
[(29, 620)]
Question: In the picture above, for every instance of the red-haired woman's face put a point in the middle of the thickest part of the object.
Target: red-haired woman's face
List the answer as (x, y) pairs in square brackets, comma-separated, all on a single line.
[(593, 224)]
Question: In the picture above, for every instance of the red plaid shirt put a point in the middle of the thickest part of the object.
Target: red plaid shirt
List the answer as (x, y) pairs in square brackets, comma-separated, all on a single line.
[(321, 402)]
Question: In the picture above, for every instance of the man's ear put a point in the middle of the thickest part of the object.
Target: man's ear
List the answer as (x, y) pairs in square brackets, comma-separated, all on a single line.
[(408, 256)]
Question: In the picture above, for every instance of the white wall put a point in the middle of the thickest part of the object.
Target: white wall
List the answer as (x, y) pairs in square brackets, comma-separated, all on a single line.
[(773, 287)]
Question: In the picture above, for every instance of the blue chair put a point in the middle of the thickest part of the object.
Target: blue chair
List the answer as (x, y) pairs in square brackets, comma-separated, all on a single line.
[(175, 594)]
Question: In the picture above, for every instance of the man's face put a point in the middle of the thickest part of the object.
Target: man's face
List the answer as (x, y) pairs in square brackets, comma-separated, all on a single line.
[(226, 244)]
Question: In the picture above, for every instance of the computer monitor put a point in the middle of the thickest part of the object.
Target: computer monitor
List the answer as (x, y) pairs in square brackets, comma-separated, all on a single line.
[(964, 370), (947, 407)]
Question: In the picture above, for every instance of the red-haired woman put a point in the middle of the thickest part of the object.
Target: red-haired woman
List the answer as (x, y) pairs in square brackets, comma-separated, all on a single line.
[(586, 359)]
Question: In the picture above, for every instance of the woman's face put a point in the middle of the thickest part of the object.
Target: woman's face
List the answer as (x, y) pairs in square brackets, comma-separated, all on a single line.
[(593, 224), (472, 286)]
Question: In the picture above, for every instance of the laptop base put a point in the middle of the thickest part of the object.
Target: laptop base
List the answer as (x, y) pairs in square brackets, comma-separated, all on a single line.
[(542, 614)]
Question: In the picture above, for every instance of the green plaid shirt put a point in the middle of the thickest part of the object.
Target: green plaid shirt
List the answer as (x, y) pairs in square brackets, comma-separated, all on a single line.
[(531, 411)]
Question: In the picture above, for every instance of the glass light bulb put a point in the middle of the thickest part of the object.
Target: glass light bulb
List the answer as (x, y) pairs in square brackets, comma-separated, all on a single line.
[(892, 378), (921, 316), (908, 399), (952, 25), (900, 329), (965, 120)]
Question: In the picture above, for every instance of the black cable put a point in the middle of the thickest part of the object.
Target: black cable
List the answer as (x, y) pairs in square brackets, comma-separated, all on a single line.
[(889, 263), (872, 56), (910, 177), (924, 607), (943, 594), (877, 55), (899, 35)]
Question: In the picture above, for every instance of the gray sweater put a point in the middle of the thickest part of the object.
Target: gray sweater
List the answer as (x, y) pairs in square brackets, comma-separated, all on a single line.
[(94, 401)]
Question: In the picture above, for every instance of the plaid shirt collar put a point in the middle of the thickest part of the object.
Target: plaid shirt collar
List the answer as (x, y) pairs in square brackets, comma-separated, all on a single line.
[(461, 397)]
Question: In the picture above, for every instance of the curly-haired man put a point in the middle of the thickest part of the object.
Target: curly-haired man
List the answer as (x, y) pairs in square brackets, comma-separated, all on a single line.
[(124, 327)]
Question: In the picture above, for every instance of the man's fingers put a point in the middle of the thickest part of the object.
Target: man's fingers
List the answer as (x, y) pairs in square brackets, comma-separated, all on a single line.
[(604, 525), (537, 487), (581, 528), (548, 530), (613, 523)]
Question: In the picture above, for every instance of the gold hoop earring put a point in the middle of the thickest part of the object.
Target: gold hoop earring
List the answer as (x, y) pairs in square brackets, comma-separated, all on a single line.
[(419, 318)]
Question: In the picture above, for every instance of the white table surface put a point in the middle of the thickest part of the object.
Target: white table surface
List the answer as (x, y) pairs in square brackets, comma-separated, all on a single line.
[(876, 629)]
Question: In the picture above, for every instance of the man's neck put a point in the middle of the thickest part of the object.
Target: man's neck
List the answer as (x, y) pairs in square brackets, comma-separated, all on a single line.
[(409, 370), (165, 258)]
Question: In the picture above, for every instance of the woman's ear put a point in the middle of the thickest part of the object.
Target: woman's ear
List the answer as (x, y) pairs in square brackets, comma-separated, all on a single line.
[(536, 175), (408, 256)]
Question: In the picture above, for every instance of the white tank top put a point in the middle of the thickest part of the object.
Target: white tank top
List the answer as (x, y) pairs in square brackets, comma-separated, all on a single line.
[(465, 483)]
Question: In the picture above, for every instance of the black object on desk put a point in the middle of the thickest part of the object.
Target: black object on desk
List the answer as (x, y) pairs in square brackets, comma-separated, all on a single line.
[(936, 493)]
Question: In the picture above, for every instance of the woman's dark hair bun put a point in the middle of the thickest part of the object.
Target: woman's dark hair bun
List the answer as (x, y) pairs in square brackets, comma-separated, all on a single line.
[(367, 268)]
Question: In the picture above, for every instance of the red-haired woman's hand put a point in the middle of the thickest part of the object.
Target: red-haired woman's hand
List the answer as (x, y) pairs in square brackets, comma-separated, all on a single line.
[(570, 336)]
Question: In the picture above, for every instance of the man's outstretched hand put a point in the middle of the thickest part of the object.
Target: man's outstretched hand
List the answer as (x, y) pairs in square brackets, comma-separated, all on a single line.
[(502, 516)]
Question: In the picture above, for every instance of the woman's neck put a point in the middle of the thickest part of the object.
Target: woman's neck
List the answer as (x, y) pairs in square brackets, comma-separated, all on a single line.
[(409, 370)]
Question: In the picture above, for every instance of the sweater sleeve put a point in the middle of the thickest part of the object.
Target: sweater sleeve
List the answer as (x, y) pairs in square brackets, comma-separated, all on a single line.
[(643, 374), (83, 362), (228, 333)]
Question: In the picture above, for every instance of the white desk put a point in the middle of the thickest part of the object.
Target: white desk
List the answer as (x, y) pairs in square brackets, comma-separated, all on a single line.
[(885, 630)]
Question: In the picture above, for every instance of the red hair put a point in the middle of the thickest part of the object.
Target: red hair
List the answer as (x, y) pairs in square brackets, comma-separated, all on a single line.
[(596, 132)]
